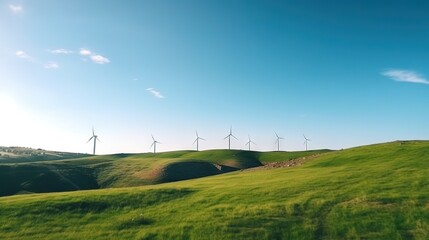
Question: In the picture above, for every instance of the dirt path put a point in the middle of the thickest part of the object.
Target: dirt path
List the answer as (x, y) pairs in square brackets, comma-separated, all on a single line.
[(285, 164)]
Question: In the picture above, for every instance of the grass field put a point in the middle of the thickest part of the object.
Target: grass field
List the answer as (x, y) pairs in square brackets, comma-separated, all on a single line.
[(370, 192)]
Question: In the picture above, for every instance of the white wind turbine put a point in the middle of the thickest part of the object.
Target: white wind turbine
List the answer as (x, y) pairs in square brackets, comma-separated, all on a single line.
[(229, 138), (154, 144), (278, 141), (250, 142), (95, 137), (306, 141), (197, 139)]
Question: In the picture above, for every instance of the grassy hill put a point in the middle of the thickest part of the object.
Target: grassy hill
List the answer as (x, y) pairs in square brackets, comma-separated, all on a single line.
[(370, 192), (125, 170), (22, 154)]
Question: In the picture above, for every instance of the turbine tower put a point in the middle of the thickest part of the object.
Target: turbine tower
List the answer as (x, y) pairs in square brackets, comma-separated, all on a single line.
[(154, 144), (229, 138), (306, 141), (278, 141), (250, 142), (197, 139), (95, 137)]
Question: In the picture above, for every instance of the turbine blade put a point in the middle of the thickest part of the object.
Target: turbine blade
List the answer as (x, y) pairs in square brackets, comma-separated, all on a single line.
[(202, 139), (153, 137), (234, 136), (194, 141), (276, 135), (98, 139), (90, 139), (225, 137)]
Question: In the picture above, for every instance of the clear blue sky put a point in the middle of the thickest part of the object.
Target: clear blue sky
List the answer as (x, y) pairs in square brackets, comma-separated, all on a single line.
[(345, 73)]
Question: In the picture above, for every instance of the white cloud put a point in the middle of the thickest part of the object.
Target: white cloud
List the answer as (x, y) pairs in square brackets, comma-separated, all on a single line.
[(405, 76), (22, 54), (95, 58), (51, 65), (99, 59), (15, 8), (155, 93), (85, 52), (61, 51)]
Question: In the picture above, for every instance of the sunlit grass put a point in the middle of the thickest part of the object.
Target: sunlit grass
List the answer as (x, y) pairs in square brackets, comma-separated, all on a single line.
[(373, 192)]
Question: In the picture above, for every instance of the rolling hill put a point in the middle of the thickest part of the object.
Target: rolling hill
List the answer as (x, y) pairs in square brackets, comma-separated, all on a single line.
[(370, 192), (125, 170)]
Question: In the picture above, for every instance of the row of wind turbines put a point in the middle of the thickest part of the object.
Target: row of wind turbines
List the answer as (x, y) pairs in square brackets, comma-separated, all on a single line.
[(198, 138)]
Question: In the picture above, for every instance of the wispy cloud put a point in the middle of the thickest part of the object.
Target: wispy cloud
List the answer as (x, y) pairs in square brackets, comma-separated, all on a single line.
[(61, 51), (155, 93), (15, 8), (99, 59), (51, 65), (22, 54), (85, 52), (95, 58), (405, 76)]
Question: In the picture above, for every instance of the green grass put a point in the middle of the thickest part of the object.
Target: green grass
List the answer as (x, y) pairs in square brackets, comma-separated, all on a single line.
[(125, 170), (371, 192)]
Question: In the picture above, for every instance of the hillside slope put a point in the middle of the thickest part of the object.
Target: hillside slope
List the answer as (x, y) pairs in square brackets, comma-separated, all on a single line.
[(370, 192), (125, 170), (21, 154)]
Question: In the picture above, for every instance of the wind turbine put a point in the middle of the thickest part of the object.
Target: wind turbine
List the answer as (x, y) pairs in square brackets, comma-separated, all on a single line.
[(278, 141), (229, 138), (95, 137), (197, 139), (154, 144), (250, 142), (306, 141)]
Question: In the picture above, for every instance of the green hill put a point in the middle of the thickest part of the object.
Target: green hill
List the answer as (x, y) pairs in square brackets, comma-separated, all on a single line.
[(125, 170), (370, 192), (22, 154)]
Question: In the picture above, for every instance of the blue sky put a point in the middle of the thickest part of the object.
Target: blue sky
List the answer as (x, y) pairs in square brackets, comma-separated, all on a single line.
[(345, 73)]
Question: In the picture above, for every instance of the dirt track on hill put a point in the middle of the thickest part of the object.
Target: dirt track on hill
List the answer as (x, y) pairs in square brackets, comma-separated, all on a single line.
[(285, 164)]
